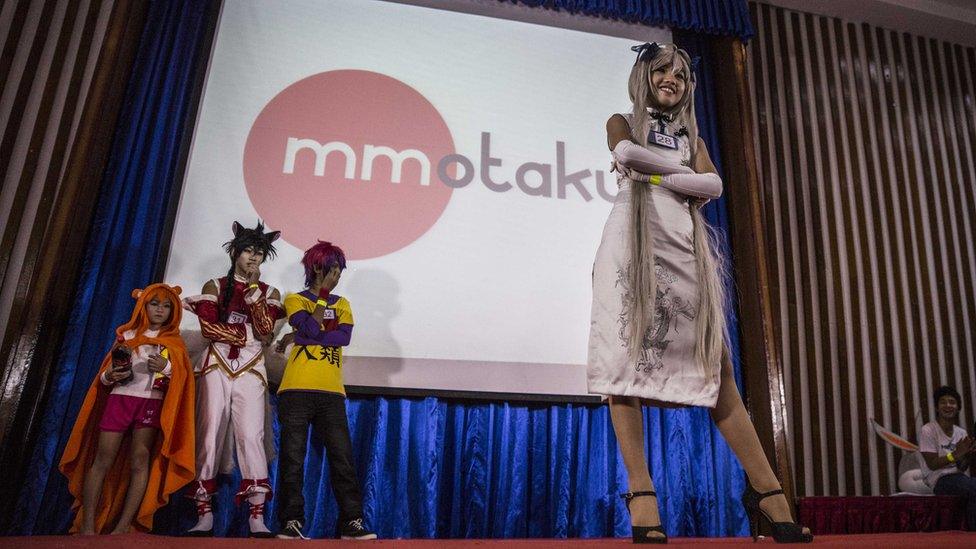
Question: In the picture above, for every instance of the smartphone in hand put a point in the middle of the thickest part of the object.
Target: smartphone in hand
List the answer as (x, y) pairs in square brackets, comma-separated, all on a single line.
[(121, 354), (122, 361)]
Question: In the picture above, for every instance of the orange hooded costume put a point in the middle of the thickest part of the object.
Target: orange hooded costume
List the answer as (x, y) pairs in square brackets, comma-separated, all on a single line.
[(172, 463)]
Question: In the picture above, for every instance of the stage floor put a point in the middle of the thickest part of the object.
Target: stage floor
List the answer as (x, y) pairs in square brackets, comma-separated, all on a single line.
[(143, 541)]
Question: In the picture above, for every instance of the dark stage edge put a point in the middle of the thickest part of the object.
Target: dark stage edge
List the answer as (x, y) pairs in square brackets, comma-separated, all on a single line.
[(145, 541)]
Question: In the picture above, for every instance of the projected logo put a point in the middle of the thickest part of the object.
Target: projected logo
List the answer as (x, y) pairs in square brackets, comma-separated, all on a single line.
[(349, 156)]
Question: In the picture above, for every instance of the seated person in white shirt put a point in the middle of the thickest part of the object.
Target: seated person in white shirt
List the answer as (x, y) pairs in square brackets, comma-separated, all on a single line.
[(946, 452)]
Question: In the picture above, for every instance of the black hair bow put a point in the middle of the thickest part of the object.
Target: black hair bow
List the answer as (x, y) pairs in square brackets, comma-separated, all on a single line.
[(645, 51), (660, 116)]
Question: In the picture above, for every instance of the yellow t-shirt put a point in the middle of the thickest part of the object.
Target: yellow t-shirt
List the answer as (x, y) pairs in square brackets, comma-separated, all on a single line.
[(315, 367)]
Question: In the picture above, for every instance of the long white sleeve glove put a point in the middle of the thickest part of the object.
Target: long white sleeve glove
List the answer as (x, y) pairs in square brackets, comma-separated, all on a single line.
[(698, 185), (644, 160)]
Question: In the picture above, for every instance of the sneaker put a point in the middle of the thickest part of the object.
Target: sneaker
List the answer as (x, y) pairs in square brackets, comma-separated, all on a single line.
[(292, 530), (354, 529)]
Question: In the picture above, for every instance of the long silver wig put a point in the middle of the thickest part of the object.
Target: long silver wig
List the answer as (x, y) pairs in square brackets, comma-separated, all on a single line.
[(710, 323)]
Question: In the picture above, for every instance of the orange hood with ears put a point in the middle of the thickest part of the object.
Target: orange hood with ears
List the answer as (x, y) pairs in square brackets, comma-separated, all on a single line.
[(172, 461), (139, 322)]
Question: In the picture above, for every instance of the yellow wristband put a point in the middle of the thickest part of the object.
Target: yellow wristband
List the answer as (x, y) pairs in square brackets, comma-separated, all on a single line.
[(321, 303), (950, 457), (252, 286), (655, 180)]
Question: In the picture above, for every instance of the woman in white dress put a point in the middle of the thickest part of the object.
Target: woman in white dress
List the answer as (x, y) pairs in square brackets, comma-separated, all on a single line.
[(658, 334)]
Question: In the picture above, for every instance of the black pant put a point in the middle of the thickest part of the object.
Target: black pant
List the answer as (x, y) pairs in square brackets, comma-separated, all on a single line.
[(959, 484), (326, 412)]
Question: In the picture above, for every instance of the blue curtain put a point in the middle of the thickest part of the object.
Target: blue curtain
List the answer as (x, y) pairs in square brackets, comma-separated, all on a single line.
[(726, 17), (124, 239), (429, 467)]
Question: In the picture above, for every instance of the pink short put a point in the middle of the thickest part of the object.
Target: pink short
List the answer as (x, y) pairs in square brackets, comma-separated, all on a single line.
[(124, 412)]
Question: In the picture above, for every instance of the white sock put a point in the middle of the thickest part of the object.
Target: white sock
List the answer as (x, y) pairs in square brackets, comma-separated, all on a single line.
[(256, 520), (204, 516)]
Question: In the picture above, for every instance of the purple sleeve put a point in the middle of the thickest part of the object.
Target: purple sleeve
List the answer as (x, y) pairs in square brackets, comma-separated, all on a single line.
[(304, 324), (340, 337)]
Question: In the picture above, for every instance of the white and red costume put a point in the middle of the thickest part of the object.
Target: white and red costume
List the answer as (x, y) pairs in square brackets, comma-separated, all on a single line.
[(232, 394)]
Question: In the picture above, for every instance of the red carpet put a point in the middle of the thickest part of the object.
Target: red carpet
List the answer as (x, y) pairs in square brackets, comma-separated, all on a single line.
[(141, 541)]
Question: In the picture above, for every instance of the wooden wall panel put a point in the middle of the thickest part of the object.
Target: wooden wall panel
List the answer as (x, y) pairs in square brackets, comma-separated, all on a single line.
[(864, 140), (64, 65)]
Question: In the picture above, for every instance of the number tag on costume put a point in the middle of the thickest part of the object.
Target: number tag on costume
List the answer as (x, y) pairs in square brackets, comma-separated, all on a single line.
[(236, 318), (329, 314), (662, 140)]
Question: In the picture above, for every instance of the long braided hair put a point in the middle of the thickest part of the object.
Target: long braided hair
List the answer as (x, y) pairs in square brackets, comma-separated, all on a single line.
[(244, 238), (711, 329)]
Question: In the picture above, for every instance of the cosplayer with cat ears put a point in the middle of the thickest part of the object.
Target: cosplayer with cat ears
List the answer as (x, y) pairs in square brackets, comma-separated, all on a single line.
[(237, 314)]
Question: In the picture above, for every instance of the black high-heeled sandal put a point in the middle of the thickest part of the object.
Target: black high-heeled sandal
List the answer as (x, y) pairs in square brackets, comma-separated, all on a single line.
[(640, 532), (783, 532)]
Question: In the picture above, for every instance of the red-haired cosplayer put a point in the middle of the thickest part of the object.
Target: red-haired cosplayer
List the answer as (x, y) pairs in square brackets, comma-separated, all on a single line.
[(132, 444), (237, 314), (312, 394)]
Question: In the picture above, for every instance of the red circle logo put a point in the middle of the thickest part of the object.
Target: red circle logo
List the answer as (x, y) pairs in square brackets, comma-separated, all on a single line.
[(351, 157)]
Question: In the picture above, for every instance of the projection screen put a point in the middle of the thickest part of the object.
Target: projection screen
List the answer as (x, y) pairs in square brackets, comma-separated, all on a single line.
[(460, 160)]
